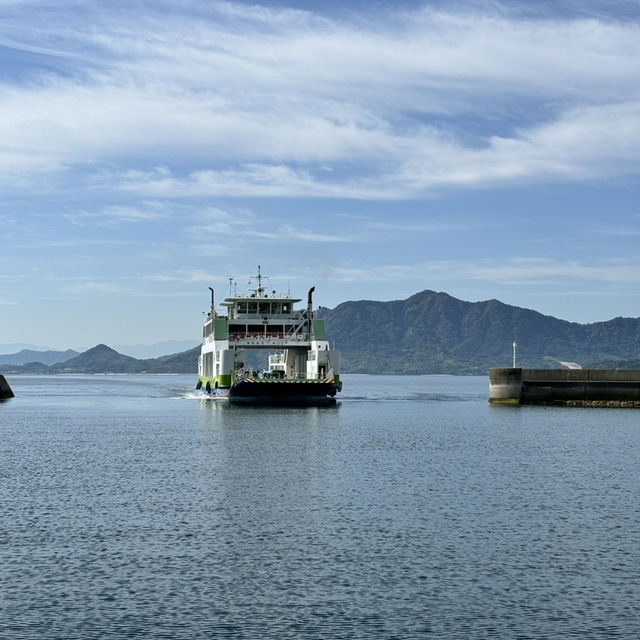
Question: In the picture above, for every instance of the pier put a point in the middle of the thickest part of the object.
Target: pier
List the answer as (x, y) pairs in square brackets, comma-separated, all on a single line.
[(568, 387), (5, 389)]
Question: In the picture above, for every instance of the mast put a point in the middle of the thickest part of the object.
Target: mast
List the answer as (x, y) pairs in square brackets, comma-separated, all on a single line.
[(260, 288)]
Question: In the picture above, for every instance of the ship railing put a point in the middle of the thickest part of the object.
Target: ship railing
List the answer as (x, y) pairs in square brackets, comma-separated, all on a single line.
[(309, 376), (242, 373), (260, 316), (259, 335), (255, 334)]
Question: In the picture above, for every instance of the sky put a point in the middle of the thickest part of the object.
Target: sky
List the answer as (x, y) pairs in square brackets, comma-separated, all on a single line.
[(152, 149)]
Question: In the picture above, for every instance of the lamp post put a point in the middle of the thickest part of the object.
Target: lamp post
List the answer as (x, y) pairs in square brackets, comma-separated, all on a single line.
[(515, 344)]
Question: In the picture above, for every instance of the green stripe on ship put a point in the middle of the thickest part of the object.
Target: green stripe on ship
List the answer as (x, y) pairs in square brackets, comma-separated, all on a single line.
[(223, 381)]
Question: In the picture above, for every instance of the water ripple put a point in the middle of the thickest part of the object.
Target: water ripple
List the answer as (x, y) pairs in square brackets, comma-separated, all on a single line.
[(416, 512)]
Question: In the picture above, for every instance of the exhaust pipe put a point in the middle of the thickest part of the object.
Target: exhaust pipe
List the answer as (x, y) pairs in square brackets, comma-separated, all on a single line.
[(309, 302)]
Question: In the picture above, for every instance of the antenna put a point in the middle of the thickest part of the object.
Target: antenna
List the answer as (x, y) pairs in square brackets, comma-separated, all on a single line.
[(260, 289)]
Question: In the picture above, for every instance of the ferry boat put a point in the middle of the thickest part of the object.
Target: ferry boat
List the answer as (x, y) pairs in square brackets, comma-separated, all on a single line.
[(302, 368)]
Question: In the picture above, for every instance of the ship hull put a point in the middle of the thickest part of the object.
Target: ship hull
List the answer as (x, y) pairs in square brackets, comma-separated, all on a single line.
[(284, 392)]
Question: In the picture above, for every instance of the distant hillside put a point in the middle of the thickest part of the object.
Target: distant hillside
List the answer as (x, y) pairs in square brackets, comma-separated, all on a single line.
[(100, 359), (427, 333), (104, 359), (14, 347), (435, 333), (45, 357), (616, 364), (156, 350), (184, 362)]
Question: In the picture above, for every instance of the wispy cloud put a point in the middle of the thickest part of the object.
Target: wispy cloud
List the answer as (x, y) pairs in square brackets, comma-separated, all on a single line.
[(113, 215), (520, 271), (259, 102), (245, 226), (428, 226), (630, 229), (531, 271)]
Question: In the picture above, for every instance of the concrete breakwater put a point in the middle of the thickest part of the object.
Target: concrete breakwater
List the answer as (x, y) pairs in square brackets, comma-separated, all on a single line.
[(5, 389), (569, 387)]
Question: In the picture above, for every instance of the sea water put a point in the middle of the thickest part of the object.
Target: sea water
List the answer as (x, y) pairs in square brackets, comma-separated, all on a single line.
[(132, 508)]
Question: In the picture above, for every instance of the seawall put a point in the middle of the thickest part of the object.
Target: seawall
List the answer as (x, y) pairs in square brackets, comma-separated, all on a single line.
[(571, 387), (5, 389)]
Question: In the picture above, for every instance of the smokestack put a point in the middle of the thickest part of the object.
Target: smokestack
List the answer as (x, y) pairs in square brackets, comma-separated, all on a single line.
[(212, 302), (309, 302)]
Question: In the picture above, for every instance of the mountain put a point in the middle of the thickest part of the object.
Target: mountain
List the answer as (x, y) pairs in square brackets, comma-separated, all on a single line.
[(157, 350), (184, 362), (429, 332), (99, 359), (433, 332), (633, 363), (13, 347), (45, 357), (104, 359)]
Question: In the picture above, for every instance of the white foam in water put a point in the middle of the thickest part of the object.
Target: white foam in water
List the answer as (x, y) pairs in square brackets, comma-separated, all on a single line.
[(198, 395), (188, 395)]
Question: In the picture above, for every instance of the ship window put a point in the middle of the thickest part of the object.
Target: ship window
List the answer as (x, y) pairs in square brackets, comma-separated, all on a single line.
[(264, 308), (242, 307), (252, 307), (286, 307)]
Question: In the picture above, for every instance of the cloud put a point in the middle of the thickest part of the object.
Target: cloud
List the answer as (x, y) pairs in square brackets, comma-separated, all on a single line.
[(580, 145), (113, 215), (244, 227), (620, 230), (429, 226), (520, 271), (258, 102), (288, 233), (513, 271)]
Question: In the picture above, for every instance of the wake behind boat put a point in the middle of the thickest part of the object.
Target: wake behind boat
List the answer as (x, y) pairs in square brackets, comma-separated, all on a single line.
[(302, 369)]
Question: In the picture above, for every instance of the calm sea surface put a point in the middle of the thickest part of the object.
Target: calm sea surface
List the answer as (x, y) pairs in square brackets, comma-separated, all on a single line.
[(131, 508)]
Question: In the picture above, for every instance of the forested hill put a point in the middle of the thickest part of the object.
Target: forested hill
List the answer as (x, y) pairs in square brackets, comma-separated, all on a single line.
[(103, 359), (45, 357), (427, 333), (435, 333)]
